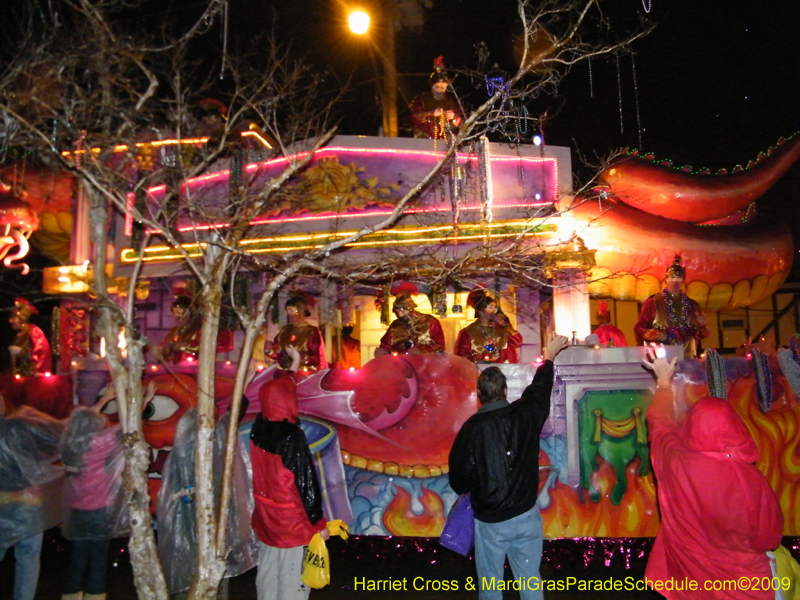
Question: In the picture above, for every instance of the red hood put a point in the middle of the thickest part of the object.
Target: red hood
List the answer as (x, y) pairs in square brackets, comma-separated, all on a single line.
[(712, 425), (279, 399)]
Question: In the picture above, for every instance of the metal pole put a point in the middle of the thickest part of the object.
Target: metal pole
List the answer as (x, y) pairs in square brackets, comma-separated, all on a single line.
[(389, 75)]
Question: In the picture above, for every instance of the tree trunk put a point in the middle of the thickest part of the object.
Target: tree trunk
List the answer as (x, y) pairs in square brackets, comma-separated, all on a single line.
[(126, 375), (210, 564)]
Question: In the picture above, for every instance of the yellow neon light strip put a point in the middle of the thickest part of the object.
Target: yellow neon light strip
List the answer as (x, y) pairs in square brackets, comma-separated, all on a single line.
[(156, 143), (318, 240)]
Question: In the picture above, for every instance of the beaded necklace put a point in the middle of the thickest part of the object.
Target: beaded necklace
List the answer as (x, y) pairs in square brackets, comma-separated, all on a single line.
[(679, 311), (763, 376), (715, 375), (491, 351)]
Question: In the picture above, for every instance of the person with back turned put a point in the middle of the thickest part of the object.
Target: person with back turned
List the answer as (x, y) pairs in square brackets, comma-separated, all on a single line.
[(495, 458)]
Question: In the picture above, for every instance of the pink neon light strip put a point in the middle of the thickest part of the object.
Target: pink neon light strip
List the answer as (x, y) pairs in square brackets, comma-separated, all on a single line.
[(129, 215), (462, 158)]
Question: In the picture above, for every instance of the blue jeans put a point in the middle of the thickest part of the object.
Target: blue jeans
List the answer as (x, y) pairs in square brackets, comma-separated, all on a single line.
[(26, 570), (520, 539)]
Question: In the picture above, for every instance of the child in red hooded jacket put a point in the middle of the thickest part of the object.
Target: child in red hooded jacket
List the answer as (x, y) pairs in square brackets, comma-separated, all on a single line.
[(719, 515), (288, 503)]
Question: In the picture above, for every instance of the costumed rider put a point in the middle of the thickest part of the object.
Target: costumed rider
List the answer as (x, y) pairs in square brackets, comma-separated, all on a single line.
[(304, 336), (350, 350), (30, 351), (183, 340), (671, 317), (436, 114), (490, 338), (30, 490), (288, 501), (610, 335), (411, 332)]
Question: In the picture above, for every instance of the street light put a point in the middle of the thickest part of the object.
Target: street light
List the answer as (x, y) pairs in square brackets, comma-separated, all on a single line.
[(359, 23)]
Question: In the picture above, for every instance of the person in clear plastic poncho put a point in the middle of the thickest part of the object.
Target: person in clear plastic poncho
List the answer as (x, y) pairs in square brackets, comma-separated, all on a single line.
[(177, 537), (94, 501), (30, 490)]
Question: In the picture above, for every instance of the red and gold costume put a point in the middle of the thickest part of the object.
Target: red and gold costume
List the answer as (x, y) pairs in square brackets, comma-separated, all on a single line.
[(611, 336), (415, 330), (427, 125), (181, 342), (424, 120), (351, 354), (484, 341), (34, 354), (675, 315), (309, 343)]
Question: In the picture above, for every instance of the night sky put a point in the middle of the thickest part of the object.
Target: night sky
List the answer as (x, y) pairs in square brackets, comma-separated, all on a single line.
[(717, 82)]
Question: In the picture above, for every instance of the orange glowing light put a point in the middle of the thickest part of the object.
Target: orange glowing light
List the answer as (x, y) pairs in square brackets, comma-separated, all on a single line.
[(258, 136)]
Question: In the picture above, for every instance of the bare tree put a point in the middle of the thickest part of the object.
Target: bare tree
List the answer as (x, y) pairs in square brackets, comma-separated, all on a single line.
[(95, 111)]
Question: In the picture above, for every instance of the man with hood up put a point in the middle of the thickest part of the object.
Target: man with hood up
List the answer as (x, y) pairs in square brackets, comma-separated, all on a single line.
[(719, 516)]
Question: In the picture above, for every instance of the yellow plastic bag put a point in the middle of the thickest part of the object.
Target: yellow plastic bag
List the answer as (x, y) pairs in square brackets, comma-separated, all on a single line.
[(316, 568), (338, 527), (316, 565), (788, 570)]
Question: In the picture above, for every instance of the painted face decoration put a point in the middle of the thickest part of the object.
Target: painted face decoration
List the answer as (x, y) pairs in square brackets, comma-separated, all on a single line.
[(175, 394)]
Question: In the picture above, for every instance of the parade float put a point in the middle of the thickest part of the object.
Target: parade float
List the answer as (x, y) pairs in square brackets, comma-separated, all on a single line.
[(382, 433)]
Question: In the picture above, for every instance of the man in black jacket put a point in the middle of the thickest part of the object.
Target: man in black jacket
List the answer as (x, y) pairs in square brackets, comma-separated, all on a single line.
[(495, 457)]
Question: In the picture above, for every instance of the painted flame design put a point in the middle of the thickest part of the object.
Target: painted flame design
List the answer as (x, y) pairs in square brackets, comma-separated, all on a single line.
[(399, 517), (776, 433), (635, 516)]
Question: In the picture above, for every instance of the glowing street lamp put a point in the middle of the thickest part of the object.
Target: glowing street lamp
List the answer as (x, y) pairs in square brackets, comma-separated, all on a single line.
[(358, 21)]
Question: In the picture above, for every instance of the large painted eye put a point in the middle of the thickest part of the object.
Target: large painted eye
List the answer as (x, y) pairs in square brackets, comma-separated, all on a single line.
[(160, 408)]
